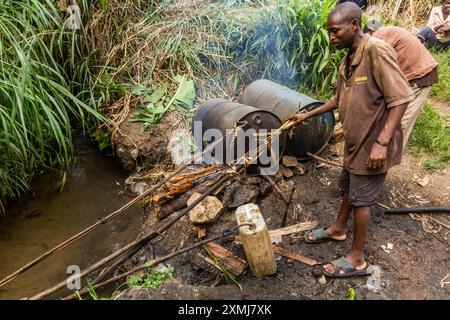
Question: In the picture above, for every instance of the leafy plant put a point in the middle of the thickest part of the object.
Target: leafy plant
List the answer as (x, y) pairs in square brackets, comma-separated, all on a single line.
[(150, 280), (157, 102)]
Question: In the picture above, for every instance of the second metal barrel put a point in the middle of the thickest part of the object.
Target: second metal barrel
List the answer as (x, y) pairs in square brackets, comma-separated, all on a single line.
[(311, 136)]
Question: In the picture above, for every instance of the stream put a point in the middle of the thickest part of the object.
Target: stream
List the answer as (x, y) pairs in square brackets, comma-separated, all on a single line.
[(46, 217)]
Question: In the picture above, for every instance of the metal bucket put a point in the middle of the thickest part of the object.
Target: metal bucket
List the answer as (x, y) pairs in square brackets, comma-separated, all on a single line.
[(224, 116), (311, 136)]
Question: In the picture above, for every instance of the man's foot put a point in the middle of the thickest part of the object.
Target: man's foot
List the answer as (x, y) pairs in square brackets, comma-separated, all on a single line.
[(345, 267), (322, 235)]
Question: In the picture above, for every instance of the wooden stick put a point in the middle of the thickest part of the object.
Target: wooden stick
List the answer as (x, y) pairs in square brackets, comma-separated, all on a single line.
[(143, 266), (137, 243), (277, 188), (334, 163), (101, 221), (293, 255)]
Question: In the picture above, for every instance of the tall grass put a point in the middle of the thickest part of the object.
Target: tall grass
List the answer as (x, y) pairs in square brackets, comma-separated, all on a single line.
[(290, 44), (38, 58)]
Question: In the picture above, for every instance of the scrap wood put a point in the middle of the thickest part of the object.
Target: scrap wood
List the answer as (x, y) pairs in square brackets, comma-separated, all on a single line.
[(185, 181), (293, 255), (163, 209), (236, 265), (443, 282), (275, 234)]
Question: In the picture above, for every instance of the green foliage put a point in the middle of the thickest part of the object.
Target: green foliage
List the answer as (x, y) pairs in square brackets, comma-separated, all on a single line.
[(441, 90), (157, 102), (92, 293), (290, 45), (430, 138), (351, 294), (38, 99), (150, 280)]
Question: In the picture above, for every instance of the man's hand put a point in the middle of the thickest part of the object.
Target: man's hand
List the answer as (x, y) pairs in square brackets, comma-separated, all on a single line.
[(299, 117), (377, 156)]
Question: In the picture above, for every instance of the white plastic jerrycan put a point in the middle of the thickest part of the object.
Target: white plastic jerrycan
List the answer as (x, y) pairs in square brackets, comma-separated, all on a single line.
[(256, 241)]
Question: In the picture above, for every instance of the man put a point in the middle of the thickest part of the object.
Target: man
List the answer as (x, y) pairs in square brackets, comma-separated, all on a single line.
[(416, 63), (437, 32), (372, 95)]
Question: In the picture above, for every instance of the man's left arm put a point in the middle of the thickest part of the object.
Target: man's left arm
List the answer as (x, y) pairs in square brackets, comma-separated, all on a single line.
[(379, 150), (397, 94)]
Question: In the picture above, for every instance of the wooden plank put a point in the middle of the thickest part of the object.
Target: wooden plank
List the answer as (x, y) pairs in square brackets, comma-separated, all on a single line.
[(293, 255), (236, 265)]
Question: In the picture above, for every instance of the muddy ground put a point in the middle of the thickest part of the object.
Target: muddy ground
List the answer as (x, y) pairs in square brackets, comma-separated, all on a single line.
[(413, 269)]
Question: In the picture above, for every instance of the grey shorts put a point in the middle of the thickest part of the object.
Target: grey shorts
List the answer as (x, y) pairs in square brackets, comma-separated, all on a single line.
[(363, 191)]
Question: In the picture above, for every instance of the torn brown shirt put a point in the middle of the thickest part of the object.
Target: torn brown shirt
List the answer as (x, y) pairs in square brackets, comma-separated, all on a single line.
[(374, 84)]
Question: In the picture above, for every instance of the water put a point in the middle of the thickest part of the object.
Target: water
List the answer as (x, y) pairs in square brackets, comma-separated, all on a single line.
[(47, 218)]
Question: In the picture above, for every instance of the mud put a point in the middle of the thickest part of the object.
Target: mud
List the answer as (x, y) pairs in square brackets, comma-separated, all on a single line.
[(135, 148), (413, 269)]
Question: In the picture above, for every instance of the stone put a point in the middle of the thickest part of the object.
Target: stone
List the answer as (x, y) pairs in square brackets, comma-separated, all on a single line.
[(285, 172), (207, 211), (289, 161), (237, 195)]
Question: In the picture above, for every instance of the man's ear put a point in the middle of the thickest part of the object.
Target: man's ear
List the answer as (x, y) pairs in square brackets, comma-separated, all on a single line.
[(355, 24)]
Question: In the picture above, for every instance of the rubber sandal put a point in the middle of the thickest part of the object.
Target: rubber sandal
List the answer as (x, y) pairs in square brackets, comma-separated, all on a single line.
[(349, 271), (319, 236)]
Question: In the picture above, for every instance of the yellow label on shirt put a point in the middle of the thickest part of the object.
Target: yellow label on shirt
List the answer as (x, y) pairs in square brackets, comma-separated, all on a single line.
[(361, 79)]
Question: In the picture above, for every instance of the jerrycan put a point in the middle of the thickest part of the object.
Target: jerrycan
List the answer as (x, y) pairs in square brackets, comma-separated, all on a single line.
[(256, 241)]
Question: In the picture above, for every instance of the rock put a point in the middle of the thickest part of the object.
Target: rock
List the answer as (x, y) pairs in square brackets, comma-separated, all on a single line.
[(322, 280), (237, 195), (285, 172), (180, 147), (300, 170), (374, 281), (207, 211), (138, 188), (264, 187), (289, 161)]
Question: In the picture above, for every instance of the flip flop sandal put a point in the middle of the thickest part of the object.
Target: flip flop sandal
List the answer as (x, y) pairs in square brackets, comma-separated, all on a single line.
[(319, 236), (349, 271)]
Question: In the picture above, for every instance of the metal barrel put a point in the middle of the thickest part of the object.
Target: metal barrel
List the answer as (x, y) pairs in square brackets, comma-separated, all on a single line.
[(226, 115), (311, 136)]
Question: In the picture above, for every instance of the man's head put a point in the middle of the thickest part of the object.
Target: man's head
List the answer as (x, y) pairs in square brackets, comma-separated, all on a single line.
[(344, 24), (372, 26), (445, 6)]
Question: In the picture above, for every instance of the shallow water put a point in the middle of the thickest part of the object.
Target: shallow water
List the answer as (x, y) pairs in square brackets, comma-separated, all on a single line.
[(47, 217)]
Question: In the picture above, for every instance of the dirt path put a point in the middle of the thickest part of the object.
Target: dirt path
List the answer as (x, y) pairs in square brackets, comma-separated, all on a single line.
[(413, 269)]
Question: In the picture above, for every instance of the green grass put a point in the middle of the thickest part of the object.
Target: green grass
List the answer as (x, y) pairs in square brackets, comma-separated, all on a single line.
[(38, 99), (441, 90), (430, 138)]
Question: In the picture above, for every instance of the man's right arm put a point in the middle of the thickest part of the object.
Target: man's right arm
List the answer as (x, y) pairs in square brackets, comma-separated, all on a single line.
[(326, 107)]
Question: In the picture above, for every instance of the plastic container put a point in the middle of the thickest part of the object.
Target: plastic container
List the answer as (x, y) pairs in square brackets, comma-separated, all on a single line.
[(256, 241)]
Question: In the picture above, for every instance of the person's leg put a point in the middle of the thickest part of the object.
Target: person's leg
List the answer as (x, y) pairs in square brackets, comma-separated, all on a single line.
[(413, 110), (337, 230), (356, 254), (427, 36), (364, 192)]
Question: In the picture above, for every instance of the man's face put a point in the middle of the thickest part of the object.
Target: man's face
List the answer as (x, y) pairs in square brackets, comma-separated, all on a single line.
[(341, 33), (446, 6)]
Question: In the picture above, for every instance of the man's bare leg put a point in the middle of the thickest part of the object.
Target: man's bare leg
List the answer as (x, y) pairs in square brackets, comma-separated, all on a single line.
[(356, 255), (337, 229)]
